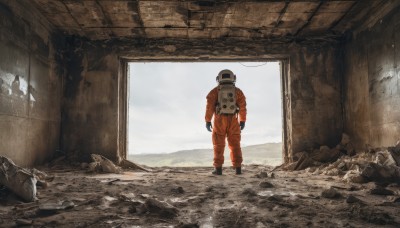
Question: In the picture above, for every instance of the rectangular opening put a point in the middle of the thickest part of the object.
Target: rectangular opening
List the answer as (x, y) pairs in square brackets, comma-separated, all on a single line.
[(166, 109)]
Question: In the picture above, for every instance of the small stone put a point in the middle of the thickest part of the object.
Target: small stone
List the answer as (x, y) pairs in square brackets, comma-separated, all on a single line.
[(262, 174), (265, 184), (352, 199), (178, 190), (272, 175), (249, 192), (330, 193)]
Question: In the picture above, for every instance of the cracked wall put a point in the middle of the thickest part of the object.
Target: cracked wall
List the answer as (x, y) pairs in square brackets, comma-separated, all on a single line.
[(372, 84), (30, 87)]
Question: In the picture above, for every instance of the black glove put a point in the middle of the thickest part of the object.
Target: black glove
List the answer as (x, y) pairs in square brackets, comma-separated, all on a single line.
[(209, 126), (242, 125)]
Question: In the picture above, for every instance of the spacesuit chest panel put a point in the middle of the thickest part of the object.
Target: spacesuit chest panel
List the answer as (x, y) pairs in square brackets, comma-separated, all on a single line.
[(227, 99)]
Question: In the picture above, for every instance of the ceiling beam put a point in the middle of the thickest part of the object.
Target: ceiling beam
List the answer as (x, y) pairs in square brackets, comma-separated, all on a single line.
[(310, 18)]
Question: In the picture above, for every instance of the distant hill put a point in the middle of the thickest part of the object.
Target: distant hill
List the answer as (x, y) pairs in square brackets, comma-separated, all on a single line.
[(265, 154)]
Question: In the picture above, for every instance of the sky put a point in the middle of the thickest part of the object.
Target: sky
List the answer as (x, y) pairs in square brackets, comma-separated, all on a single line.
[(167, 103)]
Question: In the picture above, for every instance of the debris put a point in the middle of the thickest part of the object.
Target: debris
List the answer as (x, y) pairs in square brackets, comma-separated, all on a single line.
[(128, 164), (330, 193), (381, 191), (112, 181), (161, 208), (384, 158), (42, 178), (325, 154), (381, 174), (178, 190), (17, 179), (303, 162), (352, 199), (249, 192), (101, 163), (57, 206), (23, 222), (354, 176), (345, 139), (265, 184), (262, 174)]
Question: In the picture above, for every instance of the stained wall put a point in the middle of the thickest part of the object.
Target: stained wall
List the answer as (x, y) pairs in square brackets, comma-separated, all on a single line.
[(372, 84), (30, 86)]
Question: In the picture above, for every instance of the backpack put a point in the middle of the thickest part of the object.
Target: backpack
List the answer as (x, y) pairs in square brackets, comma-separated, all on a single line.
[(226, 99)]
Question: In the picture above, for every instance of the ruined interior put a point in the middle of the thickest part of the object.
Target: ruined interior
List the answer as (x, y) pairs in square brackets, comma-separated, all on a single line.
[(63, 99)]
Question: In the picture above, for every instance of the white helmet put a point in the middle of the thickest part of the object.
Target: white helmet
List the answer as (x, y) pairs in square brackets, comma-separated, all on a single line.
[(226, 76)]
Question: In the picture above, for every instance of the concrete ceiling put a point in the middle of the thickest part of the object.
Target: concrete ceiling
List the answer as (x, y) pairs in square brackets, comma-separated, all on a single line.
[(105, 19)]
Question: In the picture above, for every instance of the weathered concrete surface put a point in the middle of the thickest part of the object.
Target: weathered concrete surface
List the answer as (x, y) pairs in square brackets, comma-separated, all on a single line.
[(90, 111), (192, 19), (92, 108), (30, 86), (372, 86)]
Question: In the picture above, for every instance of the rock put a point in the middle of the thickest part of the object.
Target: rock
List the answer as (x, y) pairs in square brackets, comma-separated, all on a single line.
[(57, 206), (249, 192), (18, 180), (384, 158), (325, 154), (106, 165), (23, 222), (265, 184), (352, 199), (178, 190), (381, 174), (272, 175), (330, 193), (303, 163), (381, 191), (262, 174), (345, 139), (354, 176), (161, 208)]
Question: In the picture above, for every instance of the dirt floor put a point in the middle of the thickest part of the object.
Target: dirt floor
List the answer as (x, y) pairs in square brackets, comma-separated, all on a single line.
[(192, 197)]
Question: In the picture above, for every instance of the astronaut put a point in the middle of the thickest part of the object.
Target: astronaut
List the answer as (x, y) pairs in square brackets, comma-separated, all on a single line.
[(227, 104)]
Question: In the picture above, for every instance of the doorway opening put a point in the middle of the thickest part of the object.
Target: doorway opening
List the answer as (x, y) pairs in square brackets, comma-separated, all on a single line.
[(166, 107)]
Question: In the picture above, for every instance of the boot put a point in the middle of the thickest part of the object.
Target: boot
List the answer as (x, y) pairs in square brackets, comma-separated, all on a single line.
[(238, 170), (217, 171)]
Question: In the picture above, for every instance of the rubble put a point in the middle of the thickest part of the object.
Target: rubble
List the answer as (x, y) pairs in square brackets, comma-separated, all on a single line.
[(52, 207), (161, 208), (376, 165), (265, 184), (101, 163), (352, 199), (19, 180), (330, 193), (378, 190)]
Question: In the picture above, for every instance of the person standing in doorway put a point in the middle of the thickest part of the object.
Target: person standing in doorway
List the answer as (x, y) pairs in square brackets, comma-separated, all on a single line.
[(227, 104)]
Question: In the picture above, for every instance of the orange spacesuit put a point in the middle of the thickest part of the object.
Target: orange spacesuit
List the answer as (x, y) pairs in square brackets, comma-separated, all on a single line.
[(226, 126)]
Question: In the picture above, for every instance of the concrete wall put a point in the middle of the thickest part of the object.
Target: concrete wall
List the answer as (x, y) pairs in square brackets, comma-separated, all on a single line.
[(94, 101), (372, 84), (30, 86)]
